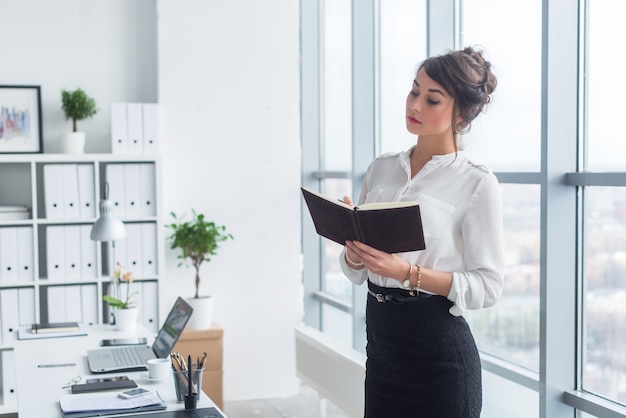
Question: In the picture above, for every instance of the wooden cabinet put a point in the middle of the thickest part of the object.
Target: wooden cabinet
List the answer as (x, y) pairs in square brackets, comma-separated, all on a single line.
[(196, 342)]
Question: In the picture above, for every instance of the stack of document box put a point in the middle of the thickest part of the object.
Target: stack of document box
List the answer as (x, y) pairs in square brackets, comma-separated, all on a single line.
[(8, 213), (134, 128)]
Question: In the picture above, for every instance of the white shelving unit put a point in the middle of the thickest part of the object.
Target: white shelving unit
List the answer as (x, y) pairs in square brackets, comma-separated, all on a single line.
[(34, 294)]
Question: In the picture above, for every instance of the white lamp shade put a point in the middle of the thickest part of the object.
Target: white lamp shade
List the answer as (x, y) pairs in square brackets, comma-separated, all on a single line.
[(107, 227)]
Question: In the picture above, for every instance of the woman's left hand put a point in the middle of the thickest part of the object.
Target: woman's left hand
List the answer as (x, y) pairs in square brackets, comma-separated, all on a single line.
[(379, 262)]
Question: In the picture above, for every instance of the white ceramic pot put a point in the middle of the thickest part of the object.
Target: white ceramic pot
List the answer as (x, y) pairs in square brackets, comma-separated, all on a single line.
[(73, 142), (202, 316), (126, 319)]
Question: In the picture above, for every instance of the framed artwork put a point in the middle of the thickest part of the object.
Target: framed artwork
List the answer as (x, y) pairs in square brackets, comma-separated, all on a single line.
[(20, 119)]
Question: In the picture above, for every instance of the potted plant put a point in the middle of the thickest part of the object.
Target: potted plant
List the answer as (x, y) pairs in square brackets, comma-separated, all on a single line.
[(198, 240), (124, 310), (76, 106)]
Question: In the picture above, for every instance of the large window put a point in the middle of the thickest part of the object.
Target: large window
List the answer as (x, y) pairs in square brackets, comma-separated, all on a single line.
[(553, 137)]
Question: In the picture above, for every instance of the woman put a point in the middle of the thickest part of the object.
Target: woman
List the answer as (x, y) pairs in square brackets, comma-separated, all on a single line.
[(422, 360)]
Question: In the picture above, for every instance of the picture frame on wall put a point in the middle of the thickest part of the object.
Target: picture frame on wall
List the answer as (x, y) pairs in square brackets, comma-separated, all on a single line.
[(20, 119)]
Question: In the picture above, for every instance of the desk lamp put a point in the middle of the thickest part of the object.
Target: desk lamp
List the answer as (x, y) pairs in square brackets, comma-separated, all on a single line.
[(108, 228)]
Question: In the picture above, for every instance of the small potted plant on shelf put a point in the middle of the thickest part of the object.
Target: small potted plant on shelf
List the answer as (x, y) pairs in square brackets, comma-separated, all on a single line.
[(76, 105), (198, 240), (124, 310)]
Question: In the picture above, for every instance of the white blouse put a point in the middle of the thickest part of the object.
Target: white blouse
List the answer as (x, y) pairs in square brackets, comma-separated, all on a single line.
[(462, 219)]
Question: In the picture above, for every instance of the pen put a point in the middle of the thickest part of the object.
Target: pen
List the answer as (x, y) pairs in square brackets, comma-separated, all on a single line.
[(41, 366)]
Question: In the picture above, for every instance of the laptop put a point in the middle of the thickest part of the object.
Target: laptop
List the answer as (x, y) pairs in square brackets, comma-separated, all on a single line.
[(129, 358)]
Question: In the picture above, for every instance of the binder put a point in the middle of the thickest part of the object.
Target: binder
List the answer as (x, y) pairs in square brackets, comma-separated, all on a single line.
[(119, 129), (150, 302), (147, 189), (135, 128), (55, 252), (89, 303), (53, 191), (9, 382), (132, 194), (25, 254), (86, 191), (72, 252), (73, 304), (149, 249), (134, 246), (71, 207), (114, 174), (8, 255), (88, 254), (9, 315), (26, 305), (150, 128), (56, 303)]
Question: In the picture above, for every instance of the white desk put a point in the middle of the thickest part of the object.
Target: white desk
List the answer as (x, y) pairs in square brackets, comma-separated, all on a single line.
[(39, 389)]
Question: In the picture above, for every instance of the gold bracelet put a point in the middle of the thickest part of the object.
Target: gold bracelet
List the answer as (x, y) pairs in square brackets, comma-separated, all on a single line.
[(351, 263), (419, 277)]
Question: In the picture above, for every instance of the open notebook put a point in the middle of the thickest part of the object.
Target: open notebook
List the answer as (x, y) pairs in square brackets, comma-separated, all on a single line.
[(127, 358)]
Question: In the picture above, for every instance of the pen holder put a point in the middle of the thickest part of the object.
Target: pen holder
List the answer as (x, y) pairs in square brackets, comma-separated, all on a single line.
[(182, 386)]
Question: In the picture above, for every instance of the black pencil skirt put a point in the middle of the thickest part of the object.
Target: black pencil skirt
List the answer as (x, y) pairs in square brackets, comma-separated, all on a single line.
[(421, 360)]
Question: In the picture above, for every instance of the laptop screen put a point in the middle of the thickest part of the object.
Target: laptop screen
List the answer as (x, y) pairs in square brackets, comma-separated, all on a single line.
[(172, 328)]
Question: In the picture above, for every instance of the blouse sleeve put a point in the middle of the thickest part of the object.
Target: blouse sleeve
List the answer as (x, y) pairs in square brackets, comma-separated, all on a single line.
[(480, 285)]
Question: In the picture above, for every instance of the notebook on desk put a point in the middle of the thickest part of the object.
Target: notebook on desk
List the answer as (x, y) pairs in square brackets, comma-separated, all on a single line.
[(128, 358)]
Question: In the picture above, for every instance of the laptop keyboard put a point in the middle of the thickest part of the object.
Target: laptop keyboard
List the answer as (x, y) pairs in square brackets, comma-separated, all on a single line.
[(127, 356)]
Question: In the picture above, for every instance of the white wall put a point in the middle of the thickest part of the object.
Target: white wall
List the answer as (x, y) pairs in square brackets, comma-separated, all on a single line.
[(227, 79), (107, 48), (229, 95)]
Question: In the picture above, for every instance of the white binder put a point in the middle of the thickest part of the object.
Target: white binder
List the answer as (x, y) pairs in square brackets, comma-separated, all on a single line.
[(132, 193), (8, 255), (55, 252), (135, 292), (26, 305), (88, 251), (134, 246), (119, 129), (149, 249), (89, 303), (135, 128), (73, 303), (86, 191), (9, 382), (25, 254), (72, 252), (150, 305), (147, 189), (150, 128), (56, 304), (10, 314), (71, 204), (114, 175), (53, 191)]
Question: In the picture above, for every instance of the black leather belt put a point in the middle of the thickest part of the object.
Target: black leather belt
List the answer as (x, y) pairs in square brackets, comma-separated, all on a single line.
[(394, 295)]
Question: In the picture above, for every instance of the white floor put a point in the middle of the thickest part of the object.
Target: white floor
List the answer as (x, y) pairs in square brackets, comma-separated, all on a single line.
[(306, 404)]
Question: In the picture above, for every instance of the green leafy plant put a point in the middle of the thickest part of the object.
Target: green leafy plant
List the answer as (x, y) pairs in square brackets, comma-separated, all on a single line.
[(121, 276), (77, 106), (198, 239)]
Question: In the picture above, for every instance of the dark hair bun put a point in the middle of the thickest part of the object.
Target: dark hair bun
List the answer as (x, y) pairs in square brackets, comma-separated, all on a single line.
[(466, 75)]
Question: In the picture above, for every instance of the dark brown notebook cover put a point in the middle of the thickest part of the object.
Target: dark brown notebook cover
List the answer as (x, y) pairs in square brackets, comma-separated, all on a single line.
[(393, 229)]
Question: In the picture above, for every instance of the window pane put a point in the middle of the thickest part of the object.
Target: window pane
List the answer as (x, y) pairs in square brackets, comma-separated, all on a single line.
[(604, 309), (337, 324), (508, 136), (605, 61), (402, 48), (510, 330), (336, 129), (334, 281)]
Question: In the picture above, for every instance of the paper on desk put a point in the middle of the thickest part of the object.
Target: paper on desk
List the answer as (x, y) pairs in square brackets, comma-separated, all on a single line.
[(109, 401), (24, 333)]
